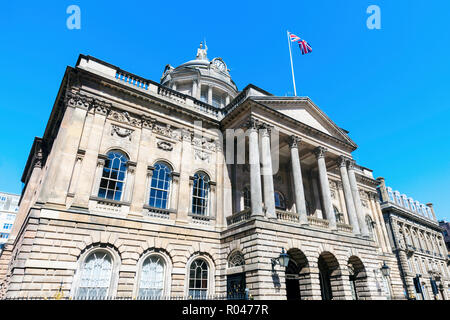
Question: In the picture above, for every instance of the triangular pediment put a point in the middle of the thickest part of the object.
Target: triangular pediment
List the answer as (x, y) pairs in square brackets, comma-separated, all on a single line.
[(306, 112)]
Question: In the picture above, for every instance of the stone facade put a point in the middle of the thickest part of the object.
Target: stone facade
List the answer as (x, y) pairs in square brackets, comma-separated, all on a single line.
[(220, 211), (445, 225), (418, 242)]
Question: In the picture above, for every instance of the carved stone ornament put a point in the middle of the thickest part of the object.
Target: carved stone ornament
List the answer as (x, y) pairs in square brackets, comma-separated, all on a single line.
[(333, 194), (164, 145), (148, 122), (252, 124), (200, 155), (342, 161), (121, 132), (125, 117), (78, 100), (167, 131), (294, 141), (320, 152), (351, 164)]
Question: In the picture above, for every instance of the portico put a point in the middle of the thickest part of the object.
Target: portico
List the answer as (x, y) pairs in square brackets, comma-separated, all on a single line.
[(286, 165)]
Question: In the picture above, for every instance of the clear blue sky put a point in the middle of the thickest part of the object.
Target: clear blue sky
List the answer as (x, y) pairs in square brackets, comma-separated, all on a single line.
[(390, 88)]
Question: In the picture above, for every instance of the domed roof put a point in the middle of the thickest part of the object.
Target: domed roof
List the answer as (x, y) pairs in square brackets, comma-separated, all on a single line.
[(200, 67)]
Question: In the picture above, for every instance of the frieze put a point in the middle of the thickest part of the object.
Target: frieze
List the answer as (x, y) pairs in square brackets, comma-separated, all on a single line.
[(125, 117), (167, 131), (78, 100)]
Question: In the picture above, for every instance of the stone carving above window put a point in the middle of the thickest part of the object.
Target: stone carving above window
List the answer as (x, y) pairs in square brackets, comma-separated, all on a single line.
[(200, 155), (164, 145), (121, 132)]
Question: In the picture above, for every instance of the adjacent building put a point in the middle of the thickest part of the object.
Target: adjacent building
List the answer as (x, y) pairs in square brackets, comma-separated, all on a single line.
[(193, 188), (445, 225), (417, 240), (9, 206)]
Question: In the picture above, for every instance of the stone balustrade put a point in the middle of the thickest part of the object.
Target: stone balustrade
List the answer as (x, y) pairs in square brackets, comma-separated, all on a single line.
[(287, 216), (243, 215), (344, 227), (160, 90), (317, 222)]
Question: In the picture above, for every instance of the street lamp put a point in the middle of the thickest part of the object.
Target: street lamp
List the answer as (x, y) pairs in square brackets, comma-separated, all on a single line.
[(385, 270), (282, 260)]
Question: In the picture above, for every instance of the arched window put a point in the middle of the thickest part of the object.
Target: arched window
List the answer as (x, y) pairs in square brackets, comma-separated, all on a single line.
[(339, 216), (236, 259), (280, 202), (200, 194), (247, 198), (95, 276), (198, 279), (111, 184), (160, 186), (308, 208), (151, 283)]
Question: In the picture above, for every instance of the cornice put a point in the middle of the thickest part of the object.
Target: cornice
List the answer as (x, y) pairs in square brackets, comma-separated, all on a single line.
[(148, 97), (389, 208)]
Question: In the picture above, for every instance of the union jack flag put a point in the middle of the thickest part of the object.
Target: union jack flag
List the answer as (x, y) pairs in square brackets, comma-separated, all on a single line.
[(294, 38), (304, 46)]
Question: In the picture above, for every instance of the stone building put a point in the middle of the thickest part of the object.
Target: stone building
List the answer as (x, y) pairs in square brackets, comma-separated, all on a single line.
[(145, 189), (418, 242), (9, 205), (445, 225)]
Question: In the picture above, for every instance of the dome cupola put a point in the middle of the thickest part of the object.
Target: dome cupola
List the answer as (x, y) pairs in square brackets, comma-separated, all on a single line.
[(205, 80)]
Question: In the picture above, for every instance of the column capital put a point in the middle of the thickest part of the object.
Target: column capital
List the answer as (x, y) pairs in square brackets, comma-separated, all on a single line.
[(351, 163), (294, 141), (342, 161), (320, 152), (252, 123), (266, 128)]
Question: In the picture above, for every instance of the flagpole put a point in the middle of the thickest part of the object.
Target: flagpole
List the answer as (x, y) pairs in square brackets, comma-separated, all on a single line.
[(292, 65)]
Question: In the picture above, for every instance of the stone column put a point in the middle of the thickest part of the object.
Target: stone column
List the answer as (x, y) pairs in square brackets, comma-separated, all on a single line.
[(300, 203), (140, 195), (88, 166), (325, 187), (76, 171), (357, 200), (185, 187), (349, 203), (269, 198), (56, 182), (315, 189), (255, 171)]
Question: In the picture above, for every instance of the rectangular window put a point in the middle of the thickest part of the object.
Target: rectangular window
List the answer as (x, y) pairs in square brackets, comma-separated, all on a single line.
[(204, 94)]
